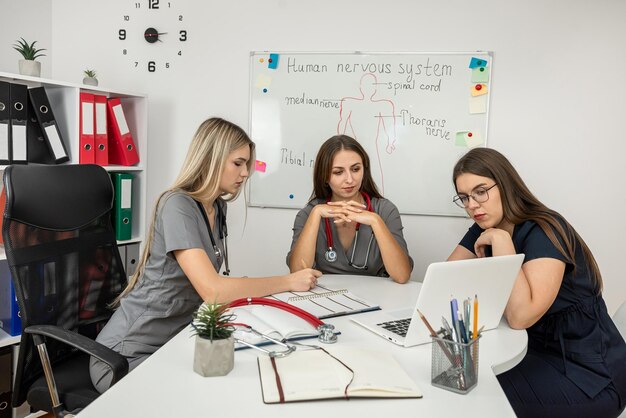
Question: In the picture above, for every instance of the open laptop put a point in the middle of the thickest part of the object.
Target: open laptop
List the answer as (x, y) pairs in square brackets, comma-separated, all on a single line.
[(490, 278)]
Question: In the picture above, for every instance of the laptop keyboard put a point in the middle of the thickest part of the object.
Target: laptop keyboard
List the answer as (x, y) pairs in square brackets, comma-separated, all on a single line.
[(400, 327)]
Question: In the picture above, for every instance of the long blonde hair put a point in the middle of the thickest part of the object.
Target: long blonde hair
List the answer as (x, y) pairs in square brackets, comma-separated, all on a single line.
[(200, 175)]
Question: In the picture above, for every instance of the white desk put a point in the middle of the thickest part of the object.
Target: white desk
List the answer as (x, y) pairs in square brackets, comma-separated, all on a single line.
[(166, 386)]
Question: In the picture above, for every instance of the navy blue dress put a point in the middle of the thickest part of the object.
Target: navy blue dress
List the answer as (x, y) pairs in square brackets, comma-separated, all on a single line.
[(576, 360)]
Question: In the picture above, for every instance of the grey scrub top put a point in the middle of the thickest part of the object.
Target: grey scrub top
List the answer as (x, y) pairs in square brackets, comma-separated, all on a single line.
[(163, 300), (375, 267)]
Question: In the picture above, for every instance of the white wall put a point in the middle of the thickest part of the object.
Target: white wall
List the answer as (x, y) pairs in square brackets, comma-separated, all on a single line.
[(558, 96), (13, 26)]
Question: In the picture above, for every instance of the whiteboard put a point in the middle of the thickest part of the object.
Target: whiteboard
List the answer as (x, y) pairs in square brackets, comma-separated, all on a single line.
[(414, 113)]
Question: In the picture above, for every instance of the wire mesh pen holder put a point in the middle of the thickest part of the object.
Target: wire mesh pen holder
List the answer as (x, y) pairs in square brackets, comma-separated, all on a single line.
[(454, 365)]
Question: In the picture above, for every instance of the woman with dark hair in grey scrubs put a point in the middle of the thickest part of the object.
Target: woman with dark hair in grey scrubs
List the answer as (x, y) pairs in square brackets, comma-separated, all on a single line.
[(348, 227), (185, 250)]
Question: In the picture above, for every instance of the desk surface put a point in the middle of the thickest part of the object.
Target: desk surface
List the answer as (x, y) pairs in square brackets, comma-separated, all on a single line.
[(165, 384)]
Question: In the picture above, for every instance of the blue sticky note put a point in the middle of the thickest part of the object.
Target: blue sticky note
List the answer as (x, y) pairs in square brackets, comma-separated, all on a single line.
[(272, 63), (477, 62)]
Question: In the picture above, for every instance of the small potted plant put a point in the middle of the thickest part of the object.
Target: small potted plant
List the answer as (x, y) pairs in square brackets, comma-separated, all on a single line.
[(28, 66), (90, 77), (214, 353)]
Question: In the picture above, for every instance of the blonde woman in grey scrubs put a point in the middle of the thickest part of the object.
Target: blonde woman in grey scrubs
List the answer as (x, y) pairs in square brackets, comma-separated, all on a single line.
[(348, 227), (185, 251)]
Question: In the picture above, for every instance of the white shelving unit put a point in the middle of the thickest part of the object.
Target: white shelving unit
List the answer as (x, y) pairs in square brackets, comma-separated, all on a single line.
[(64, 101)]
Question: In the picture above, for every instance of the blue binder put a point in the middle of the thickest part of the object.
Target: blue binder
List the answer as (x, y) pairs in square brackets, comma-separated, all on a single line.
[(10, 320)]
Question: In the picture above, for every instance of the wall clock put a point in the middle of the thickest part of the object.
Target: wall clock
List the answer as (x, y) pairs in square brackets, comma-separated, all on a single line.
[(152, 35)]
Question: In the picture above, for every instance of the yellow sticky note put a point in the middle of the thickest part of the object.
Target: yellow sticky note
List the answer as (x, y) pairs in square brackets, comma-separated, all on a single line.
[(263, 80), (478, 89), (478, 104), (474, 140)]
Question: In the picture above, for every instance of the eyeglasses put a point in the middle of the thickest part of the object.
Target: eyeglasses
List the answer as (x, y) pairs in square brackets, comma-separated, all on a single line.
[(480, 195)]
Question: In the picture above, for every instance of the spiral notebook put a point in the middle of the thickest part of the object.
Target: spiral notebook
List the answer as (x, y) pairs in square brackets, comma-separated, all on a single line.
[(324, 302)]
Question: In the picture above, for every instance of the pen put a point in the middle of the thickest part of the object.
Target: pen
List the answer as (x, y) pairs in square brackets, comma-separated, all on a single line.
[(454, 306), (475, 329), (466, 318), (461, 325)]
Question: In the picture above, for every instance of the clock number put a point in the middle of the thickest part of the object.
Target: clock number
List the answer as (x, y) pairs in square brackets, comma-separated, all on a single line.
[(180, 53), (183, 36), (167, 65), (137, 5), (136, 64), (124, 52), (151, 66), (180, 18), (153, 4), (169, 5), (122, 34), (126, 18)]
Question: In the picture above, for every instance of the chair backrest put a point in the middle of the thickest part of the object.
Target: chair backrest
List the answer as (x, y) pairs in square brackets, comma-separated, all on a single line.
[(620, 319), (62, 253)]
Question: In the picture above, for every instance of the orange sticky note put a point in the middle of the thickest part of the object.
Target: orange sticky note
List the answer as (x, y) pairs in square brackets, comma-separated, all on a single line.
[(479, 89)]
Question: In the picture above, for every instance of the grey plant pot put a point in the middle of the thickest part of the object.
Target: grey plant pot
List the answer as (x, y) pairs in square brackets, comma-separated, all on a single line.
[(214, 358), (90, 81), (30, 67)]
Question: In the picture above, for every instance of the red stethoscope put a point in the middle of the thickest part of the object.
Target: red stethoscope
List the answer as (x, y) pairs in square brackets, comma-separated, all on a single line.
[(326, 331), (331, 254)]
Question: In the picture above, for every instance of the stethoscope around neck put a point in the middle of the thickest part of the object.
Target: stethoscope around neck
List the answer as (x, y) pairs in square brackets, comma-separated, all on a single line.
[(331, 254), (220, 218)]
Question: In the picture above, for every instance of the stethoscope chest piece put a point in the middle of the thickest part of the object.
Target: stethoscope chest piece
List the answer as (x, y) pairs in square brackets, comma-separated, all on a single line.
[(331, 255), (327, 334)]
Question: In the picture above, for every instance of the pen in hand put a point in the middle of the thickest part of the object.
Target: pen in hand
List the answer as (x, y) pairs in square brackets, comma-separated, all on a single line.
[(305, 267)]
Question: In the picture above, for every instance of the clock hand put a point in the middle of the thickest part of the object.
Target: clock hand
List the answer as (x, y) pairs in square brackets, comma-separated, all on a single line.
[(156, 34)]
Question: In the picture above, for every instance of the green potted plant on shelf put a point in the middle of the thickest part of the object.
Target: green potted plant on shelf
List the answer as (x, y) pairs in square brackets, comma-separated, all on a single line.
[(214, 353), (29, 65), (90, 77)]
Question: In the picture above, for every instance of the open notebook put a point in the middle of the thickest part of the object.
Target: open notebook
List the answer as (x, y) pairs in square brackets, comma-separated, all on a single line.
[(324, 302), (338, 372), (274, 322)]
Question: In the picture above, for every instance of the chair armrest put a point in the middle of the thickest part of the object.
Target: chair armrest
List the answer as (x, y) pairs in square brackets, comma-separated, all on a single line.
[(117, 362)]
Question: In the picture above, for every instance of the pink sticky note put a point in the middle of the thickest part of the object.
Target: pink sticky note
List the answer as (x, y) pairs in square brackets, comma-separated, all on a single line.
[(260, 166)]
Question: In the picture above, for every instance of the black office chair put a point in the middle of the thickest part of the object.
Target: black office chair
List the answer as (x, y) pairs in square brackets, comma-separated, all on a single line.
[(66, 269)]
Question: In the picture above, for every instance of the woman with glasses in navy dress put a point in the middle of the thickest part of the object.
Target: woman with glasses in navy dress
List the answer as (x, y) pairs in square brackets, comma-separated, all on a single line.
[(348, 227), (576, 360)]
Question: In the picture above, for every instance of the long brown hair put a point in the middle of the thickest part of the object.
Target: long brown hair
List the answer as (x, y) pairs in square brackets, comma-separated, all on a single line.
[(324, 167), (200, 175), (519, 205)]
